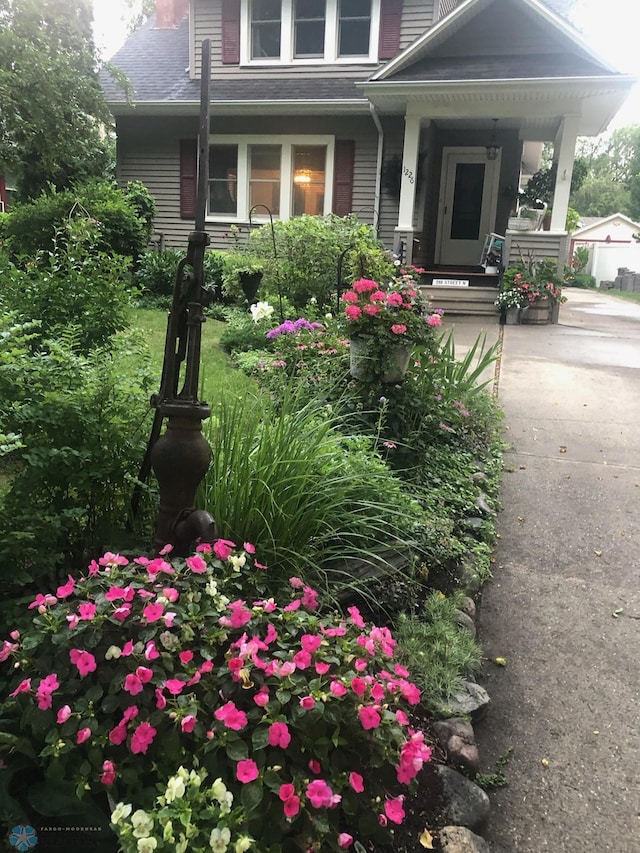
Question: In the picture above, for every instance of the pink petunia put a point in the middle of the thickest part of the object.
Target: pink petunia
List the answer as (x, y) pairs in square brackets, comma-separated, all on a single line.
[(279, 735), (142, 738), (83, 734), (369, 718), (85, 661), (246, 771)]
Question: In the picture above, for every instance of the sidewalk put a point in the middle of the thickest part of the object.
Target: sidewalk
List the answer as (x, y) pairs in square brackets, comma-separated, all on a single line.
[(563, 606)]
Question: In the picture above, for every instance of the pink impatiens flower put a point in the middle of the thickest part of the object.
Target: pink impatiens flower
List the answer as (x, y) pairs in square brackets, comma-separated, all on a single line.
[(108, 773), (142, 738), (188, 723), (87, 610), (307, 702), (231, 716), (83, 734), (153, 612), (85, 661), (174, 686), (369, 718), (393, 809), (63, 714), (321, 796), (223, 548), (356, 781), (398, 328), (279, 735), (196, 564), (67, 589), (247, 771), (23, 687), (345, 840)]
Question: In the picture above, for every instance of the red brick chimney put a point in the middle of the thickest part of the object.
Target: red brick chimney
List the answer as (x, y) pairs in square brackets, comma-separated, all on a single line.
[(171, 13)]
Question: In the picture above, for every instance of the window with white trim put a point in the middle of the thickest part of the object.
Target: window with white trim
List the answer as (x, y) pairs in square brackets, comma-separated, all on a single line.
[(288, 175), (309, 31)]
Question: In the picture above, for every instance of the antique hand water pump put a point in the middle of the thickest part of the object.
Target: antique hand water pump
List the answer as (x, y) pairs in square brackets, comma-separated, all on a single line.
[(181, 456)]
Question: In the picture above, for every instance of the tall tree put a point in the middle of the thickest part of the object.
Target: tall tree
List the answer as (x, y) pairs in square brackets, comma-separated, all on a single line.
[(53, 118)]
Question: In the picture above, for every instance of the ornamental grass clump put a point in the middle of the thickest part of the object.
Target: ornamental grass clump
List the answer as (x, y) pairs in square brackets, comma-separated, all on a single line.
[(140, 668)]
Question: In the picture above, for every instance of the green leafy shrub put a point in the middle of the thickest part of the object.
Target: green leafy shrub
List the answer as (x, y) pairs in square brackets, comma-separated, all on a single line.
[(137, 668), (309, 249), (74, 284), (155, 274), (81, 422), (120, 217)]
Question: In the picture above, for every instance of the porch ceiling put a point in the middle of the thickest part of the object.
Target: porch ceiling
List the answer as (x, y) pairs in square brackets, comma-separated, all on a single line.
[(535, 107)]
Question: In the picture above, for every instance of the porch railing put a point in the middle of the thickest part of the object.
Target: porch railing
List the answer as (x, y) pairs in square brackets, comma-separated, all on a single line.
[(526, 246)]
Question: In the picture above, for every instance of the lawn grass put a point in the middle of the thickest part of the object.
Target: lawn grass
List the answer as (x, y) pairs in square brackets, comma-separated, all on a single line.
[(219, 379), (626, 295)]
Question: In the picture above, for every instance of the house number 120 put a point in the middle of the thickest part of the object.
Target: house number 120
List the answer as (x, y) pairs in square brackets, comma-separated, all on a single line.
[(409, 174)]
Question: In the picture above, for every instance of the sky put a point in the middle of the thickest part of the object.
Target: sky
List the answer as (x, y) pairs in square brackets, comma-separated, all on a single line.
[(608, 26)]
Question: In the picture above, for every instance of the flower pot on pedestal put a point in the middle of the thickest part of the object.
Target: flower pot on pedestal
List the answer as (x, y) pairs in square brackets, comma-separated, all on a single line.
[(365, 360)]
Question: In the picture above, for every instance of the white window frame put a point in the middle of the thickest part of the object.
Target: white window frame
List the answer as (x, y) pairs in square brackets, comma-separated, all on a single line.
[(287, 38), (287, 143)]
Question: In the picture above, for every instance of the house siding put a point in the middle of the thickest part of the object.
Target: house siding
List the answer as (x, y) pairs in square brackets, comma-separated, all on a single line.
[(417, 16), (149, 148)]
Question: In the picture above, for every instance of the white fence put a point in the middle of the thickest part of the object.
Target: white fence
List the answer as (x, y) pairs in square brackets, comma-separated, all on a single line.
[(606, 258)]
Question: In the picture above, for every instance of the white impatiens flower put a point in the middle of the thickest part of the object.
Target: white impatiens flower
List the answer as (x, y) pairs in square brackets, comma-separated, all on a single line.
[(219, 839), (121, 811), (243, 844), (113, 653), (238, 562), (175, 789), (147, 845), (142, 824), (260, 311)]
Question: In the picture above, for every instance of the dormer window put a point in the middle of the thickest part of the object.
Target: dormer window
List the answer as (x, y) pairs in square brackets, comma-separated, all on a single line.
[(309, 31)]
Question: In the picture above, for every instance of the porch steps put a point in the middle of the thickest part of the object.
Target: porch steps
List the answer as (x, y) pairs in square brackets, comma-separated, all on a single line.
[(468, 302), (476, 276)]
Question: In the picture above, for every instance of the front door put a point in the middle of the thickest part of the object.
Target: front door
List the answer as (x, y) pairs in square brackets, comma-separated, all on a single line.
[(468, 199)]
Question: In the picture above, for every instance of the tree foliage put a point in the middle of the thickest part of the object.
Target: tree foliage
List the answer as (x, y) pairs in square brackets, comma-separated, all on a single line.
[(612, 184), (52, 111)]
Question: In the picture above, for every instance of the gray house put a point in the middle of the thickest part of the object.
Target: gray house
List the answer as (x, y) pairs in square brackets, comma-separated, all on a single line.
[(416, 115)]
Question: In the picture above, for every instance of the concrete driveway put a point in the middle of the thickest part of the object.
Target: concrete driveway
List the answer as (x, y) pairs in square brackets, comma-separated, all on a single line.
[(563, 607)]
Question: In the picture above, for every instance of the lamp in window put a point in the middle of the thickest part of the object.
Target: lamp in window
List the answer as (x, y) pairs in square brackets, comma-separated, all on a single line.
[(302, 176), (493, 147)]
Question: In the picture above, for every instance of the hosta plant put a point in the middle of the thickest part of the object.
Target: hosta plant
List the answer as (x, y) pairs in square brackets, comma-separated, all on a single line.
[(140, 667)]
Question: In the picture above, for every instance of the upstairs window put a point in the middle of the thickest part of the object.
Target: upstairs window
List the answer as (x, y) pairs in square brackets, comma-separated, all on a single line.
[(266, 28), (354, 27), (311, 31), (309, 28)]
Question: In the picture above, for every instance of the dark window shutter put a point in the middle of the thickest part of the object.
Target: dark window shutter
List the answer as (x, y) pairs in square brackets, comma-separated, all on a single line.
[(188, 178), (390, 21), (344, 157), (230, 32)]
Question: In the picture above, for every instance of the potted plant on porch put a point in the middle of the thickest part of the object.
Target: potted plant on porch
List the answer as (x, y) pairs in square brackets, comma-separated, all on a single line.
[(538, 288), (384, 323)]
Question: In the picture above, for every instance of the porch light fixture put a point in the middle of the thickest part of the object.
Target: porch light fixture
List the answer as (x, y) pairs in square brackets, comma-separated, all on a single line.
[(493, 147)]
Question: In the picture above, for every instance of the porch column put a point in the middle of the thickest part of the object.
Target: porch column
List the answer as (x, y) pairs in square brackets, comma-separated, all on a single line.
[(565, 145), (408, 184)]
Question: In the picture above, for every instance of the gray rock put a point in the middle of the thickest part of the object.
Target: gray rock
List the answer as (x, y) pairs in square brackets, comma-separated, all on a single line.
[(470, 700), (483, 506), (468, 606), (465, 622), (458, 739), (466, 804), (479, 477), (459, 839)]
